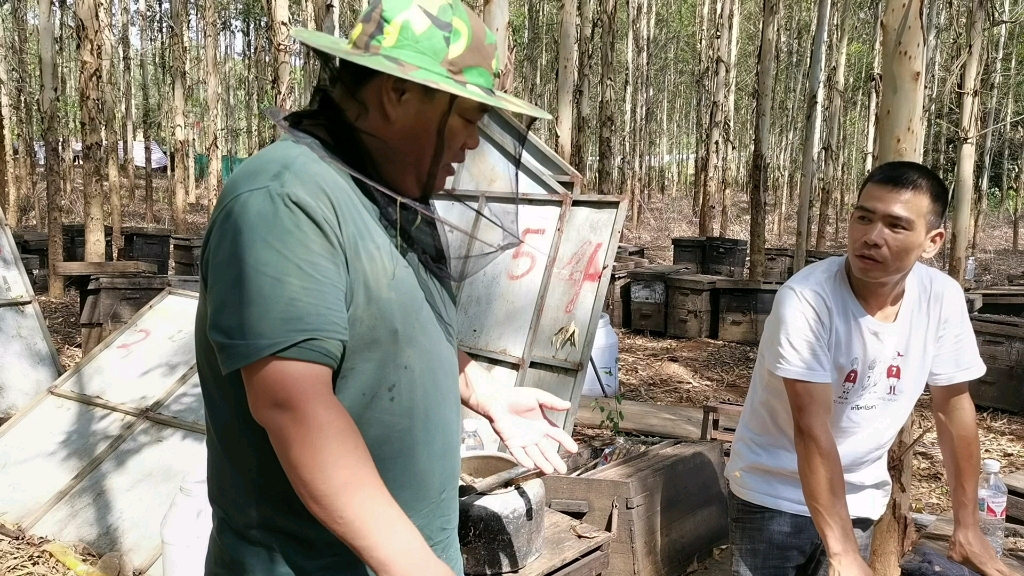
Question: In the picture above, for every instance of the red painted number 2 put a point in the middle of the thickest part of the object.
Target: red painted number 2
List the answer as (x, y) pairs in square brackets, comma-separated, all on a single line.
[(576, 271), (523, 253)]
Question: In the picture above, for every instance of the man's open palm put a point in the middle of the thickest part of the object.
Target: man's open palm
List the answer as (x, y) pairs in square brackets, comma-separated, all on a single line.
[(518, 418)]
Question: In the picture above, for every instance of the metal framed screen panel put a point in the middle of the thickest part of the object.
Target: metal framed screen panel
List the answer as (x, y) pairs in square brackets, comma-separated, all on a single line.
[(554, 283), (98, 458), (28, 361)]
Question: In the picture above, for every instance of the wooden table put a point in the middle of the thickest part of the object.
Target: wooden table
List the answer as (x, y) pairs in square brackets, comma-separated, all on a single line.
[(566, 553)]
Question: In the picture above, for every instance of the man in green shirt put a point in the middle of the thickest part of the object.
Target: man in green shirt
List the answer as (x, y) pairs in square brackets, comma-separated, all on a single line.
[(325, 335)]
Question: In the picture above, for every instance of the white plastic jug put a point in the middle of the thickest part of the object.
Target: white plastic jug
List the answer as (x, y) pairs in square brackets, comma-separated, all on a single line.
[(185, 530), (605, 356)]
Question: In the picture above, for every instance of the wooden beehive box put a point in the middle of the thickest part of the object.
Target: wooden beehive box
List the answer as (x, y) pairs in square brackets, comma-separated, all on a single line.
[(110, 302), (1001, 343), (743, 307), (665, 506), (778, 264), (691, 306), (148, 244), (724, 257), (185, 252), (689, 253), (648, 297), (617, 302)]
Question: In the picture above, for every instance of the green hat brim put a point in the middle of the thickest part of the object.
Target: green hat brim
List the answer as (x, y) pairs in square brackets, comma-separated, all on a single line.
[(339, 47)]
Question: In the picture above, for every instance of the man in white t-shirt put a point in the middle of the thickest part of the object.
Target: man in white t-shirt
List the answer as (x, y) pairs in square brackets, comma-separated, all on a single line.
[(846, 353)]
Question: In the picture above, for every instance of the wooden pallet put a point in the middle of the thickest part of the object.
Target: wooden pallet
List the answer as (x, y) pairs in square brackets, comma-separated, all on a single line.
[(649, 419)]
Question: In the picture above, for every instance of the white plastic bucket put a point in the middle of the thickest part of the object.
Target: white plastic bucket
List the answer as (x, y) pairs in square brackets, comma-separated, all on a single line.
[(185, 530), (605, 356)]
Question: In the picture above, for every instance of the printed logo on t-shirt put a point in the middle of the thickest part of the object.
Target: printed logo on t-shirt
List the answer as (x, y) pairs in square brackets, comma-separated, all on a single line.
[(893, 374), (851, 379)]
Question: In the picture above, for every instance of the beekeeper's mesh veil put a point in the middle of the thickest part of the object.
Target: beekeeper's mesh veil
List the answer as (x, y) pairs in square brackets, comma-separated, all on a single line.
[(454, 235)]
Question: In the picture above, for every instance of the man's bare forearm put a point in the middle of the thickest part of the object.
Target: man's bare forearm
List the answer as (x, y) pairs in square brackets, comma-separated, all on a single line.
[(474, 392), (957, 429), (331, 469), (821, 474)]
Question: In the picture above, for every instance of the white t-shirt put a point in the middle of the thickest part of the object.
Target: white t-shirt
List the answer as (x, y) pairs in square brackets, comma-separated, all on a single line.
[(818, 332)]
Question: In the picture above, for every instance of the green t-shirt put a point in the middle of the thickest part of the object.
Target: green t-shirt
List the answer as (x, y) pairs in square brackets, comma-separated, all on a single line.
[(296, 264)]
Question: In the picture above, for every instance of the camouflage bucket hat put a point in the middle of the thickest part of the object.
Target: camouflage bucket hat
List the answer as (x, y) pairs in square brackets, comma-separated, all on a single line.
[(437, 43)]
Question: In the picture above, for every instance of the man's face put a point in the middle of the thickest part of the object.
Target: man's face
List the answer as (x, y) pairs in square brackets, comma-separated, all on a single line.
[(889, 231), (408, 125)]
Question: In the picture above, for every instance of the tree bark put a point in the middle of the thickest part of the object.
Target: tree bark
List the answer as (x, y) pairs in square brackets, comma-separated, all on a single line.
[(760, 167), (935, 57), (147, 109), (1007, 135), (900, 137), (981, 196), (48, 110), (211, 16), (729, 129), (837, 83), (606, 159), (581, 96), (812, 131), (110, 122), (179, 21), (8, 183), (277, 10), (712, 184), (90, 41), (701, 118), (626, 176), (964, 182), (496, 18), (566, 78), (129, 100), (876, 90)]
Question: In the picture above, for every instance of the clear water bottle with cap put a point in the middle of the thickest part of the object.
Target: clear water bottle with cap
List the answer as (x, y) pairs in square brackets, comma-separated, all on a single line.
[(992, 495), (471, 439)]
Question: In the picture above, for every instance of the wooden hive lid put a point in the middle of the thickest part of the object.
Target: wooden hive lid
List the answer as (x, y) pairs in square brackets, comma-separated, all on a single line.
[(688, 241), (686, 280), (737, 284), (656, 273)]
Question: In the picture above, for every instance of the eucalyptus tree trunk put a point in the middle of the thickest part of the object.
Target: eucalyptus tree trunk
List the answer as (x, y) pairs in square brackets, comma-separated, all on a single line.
[(566, 78), (876, 90), (496, 18), (147, 108), (981, 196), (89, 31), (729, 129), (935, 57), (277, 10), (8, 175), (211, 40), (606, 155), (581, 94), (900, 137), (110, 123), (715, 150), (760, 166), (129, 100), (812, 132), (49, 112), (837, 83), (1007, 135), (179, 21), (967, 154)]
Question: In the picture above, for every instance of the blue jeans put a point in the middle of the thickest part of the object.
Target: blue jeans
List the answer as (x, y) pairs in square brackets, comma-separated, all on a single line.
[(768, 542)]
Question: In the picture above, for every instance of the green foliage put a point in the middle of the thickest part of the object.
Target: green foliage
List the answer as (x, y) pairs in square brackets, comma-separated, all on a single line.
[(612, 416)]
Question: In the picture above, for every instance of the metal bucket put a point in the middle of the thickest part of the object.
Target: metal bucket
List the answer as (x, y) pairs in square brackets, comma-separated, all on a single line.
[(500, 531)]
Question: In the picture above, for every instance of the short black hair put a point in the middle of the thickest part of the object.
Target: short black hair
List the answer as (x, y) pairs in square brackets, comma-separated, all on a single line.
[(915, 177)]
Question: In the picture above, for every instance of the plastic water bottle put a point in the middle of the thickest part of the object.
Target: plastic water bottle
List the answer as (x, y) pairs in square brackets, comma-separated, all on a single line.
[(471, 440), (185, 530), (992, 495)]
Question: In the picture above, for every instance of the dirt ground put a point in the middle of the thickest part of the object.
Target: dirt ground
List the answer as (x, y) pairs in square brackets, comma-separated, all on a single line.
[(659, 370)]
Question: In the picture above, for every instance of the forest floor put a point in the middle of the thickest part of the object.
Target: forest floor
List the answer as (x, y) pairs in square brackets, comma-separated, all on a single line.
[(657, 370)]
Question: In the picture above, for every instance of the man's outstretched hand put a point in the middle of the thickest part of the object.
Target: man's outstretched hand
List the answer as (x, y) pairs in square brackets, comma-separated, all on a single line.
[(517, 417), (969, 547)]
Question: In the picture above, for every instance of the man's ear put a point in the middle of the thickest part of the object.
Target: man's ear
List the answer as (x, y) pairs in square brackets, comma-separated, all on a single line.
[(394, 92), (934, 243)]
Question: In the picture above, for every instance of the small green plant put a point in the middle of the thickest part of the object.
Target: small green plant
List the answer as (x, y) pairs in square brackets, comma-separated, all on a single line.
[(612, 416)]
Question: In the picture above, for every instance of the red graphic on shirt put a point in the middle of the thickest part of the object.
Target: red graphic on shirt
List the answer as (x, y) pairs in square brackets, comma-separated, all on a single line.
[(851, 378), (893, 373)]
